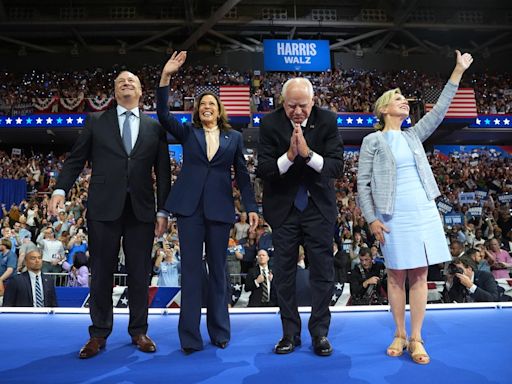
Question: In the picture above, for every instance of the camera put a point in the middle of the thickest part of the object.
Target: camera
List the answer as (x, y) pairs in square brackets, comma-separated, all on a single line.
[(453, 269)]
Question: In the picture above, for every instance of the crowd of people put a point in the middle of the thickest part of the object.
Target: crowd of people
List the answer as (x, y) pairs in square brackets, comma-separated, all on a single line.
[(322, 212), (29, 223), (339, 90)]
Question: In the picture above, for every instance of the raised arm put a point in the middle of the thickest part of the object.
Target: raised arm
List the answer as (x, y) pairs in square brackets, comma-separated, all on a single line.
[(428, 123), (167, 119)]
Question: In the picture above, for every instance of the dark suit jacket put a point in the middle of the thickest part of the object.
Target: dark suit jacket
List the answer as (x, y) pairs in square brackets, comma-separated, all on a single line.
[(114, 171), (487, 289), (321, 134), (203, 180), (18, 292), (256, 292)]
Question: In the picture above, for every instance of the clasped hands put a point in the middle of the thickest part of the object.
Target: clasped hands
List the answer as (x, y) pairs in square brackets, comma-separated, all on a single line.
[(298, 144)]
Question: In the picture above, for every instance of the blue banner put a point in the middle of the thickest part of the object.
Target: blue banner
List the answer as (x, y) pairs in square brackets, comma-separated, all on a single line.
[(297, 55)]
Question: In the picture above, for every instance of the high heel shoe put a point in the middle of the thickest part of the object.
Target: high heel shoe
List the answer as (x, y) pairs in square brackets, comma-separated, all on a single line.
[(417, 351), (397, 346)]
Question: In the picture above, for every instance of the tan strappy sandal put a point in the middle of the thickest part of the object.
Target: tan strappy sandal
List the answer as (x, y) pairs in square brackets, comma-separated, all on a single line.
[(417, 351), (396, 348)]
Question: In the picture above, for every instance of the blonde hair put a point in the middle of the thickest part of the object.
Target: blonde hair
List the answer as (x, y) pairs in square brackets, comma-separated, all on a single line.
[(381, 102)]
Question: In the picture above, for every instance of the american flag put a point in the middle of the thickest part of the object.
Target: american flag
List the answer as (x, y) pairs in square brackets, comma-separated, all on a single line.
[(234, 97), (463, 104)]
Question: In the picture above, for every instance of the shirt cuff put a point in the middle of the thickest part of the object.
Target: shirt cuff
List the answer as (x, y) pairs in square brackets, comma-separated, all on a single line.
[(316, 162), (162, 213), (59, 192), (283, 163), (472, 289), (257, 284)]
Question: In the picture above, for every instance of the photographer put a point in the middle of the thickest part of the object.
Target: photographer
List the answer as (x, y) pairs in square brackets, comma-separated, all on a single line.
[(464, 283), (368, 281)]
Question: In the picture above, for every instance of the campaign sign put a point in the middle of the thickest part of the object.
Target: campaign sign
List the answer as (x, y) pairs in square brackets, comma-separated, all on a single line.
[(481, 193), (467, 197), (176, 152), (453, 218), (444, 207), (297, 55), (505, 198), (475, 211)]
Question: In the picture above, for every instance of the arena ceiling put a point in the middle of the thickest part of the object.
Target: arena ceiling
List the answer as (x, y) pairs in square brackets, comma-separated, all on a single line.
[(118, 27), (403, 27)]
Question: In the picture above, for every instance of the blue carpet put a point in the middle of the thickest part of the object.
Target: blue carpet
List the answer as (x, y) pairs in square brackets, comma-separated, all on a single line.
[(466, 346)]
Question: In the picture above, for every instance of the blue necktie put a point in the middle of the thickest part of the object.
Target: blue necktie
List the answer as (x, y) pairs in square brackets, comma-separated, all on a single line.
[(127, 133), (39, 293), (301, 198)]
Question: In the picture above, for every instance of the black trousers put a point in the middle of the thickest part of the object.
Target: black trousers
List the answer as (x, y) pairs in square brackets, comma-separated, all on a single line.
[(104, 243), (316, 232)]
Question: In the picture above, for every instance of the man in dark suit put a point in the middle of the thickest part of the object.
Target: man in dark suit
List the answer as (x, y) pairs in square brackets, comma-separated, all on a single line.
[(299, 155), (259, 282), (467, 284), (123, 146), (31, 288)]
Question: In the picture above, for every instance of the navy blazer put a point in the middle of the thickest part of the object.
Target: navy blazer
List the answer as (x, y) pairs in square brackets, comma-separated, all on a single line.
[(18, 292), (203, 179)]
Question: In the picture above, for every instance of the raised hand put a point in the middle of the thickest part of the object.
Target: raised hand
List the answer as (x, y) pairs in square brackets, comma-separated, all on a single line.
[(463, 63), (172, 66), (463, 60)]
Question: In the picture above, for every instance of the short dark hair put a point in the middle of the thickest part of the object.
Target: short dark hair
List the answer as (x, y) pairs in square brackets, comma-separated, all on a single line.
[(471, 252), (364, 251), (466, 261)]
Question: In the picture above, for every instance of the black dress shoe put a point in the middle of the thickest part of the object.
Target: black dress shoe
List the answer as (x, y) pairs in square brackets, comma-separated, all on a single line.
[(189, 351), (221, 344), (321, 346), (287, 345)]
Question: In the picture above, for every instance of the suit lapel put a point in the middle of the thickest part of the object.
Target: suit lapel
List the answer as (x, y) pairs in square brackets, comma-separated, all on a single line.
[(28, 288), (46, 290), (310, 126), (199, 134), (224, 140), (113, 125), (142, 132)]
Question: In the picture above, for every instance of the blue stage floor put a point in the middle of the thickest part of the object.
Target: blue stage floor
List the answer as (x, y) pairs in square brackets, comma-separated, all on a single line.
[(466, 346)]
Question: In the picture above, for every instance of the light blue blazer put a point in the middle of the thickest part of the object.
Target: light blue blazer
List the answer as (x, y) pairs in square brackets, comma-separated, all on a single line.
[(376, 176)]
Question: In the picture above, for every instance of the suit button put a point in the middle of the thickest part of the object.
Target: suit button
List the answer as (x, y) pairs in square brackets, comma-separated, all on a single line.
[(129, 158)]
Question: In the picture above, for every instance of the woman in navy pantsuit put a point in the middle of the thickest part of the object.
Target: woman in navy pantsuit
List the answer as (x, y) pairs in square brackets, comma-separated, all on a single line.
[(202, 200)]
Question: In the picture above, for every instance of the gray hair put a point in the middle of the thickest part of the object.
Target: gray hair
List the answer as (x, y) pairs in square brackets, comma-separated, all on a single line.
[(298, 81)]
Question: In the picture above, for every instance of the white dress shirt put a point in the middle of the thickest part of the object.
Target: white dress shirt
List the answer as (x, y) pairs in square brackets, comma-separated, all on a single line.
[(134, 122), (33, 285)]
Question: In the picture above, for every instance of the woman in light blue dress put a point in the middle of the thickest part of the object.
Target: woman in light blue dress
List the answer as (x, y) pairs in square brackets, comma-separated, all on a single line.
[(396, 190)]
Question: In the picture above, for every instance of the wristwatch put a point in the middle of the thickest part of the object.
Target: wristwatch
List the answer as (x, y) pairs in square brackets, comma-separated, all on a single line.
[(309, 156)]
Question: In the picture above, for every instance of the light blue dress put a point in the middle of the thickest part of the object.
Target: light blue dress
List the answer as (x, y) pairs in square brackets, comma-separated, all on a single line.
[(416, 237)]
